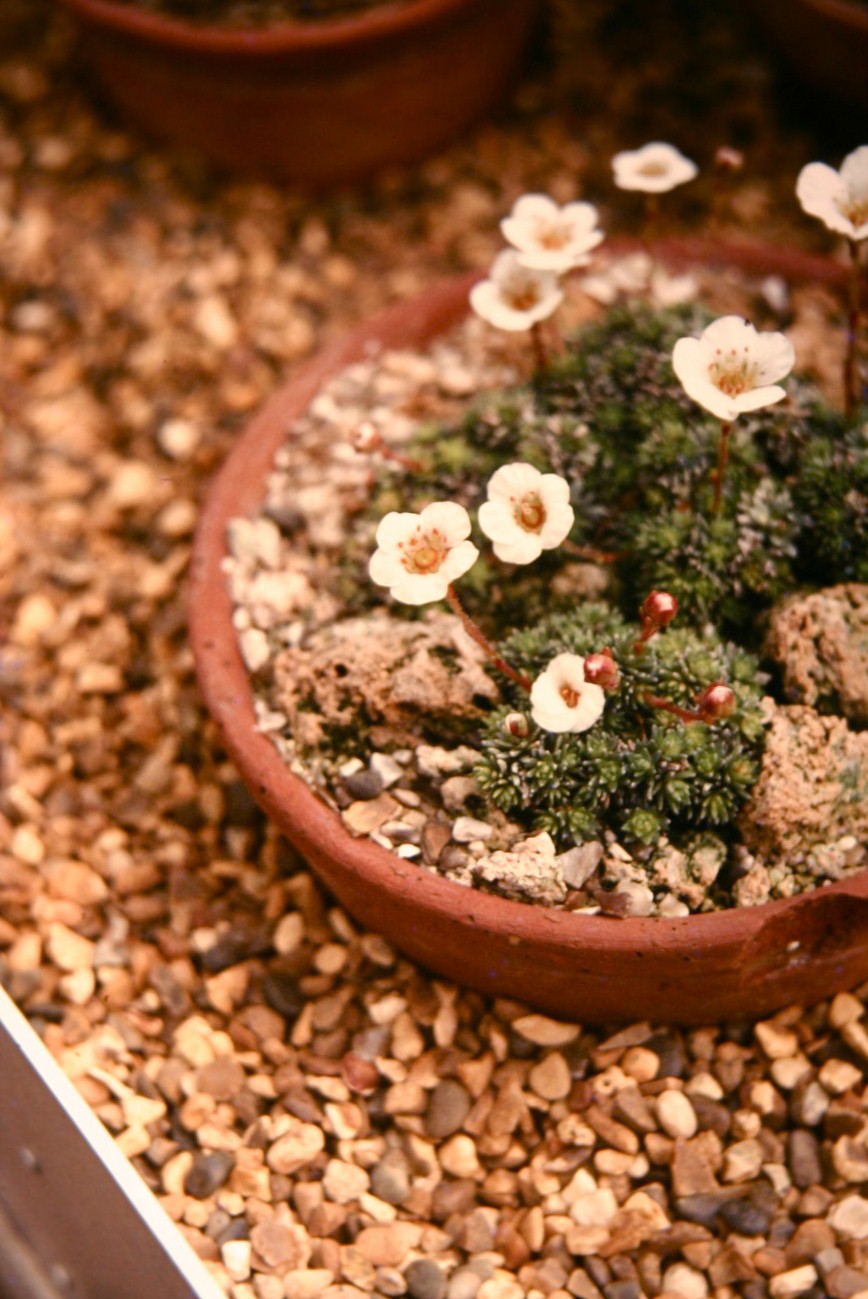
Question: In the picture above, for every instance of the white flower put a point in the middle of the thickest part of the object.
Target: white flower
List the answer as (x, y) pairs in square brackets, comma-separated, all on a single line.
[(420, 555), (552, 238), (526, 512), (562, 700), (840, 198), (515, 296), (653, 169), (636, 274), (732, 368)]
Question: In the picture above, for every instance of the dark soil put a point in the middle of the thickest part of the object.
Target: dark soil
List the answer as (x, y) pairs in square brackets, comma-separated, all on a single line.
[(255, 13)]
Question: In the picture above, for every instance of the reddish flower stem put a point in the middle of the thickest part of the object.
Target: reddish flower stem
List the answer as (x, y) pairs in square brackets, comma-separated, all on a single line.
[(666, 706), (851, 378), (594, 556), (538, 343), (482, 640), (722, 462), (406, 462)]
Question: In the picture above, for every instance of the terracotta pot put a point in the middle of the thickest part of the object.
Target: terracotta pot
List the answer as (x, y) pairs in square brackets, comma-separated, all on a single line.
[(696, 969), (317, 102), (825, 42)]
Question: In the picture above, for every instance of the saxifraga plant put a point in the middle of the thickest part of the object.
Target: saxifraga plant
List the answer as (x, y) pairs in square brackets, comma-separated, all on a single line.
[(641, 771)]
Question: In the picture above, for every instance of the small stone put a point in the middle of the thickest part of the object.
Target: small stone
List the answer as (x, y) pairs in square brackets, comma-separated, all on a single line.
[(838, 1076), (467, 829), (787, 1285), (425, 1279), (388, 1246), (178, 438), (222, 1078), (844, 1009), (447, 1109), (685, 1282), (69, 950), (390, 1178), (343, 1182), (281, 1244), (776, 1041), (367, 815), (207, 1173), (742, 1161), (551, 1078), (543, 1031), (676, 1115), (296, 1148), (458, 1156), (850, 1160), (804, 1158), (849, 1218), (236, 1256), (364, 784)]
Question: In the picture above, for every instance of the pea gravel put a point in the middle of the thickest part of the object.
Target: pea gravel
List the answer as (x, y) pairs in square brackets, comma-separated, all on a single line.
[(317, 1115)]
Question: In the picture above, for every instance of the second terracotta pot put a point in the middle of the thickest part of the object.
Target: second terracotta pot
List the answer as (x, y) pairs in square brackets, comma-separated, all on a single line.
[(741, 963), (318, 102)]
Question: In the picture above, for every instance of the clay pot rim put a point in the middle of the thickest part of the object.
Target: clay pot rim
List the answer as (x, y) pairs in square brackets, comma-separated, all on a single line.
[(850, 13), (314, 827), (291, 34)]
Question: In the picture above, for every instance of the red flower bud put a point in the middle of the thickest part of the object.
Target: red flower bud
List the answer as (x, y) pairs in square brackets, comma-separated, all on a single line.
[(517, 725), (366, 437), (658, 610), (728, 159), (715, 702), (602, 670)]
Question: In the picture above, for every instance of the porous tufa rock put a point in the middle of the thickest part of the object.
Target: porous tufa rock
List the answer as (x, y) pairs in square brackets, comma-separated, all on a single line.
[(398, 675), (812, 787), (531, 872), (821, 642)]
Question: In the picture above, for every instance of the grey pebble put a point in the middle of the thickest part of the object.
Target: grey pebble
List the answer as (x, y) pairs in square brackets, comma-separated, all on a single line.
[(364, 784), (425, 1279), (447, 1109), (390, 1178), (207, 1173)]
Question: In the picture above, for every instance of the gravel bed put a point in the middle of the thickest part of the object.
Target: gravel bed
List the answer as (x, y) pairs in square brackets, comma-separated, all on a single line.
[(317, 1115)]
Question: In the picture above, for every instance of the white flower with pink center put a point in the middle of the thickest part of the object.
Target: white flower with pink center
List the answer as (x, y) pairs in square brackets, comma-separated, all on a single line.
[(552, 238), (514, 296), (562, 700), (526, 513), (732, 368), (839, 198), (419, 556), (653, 169)]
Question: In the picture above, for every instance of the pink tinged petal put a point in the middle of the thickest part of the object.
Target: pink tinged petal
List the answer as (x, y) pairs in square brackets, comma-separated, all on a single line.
[(535, 207), (487, 301), (558, 262), (395, 527), (727, 332), (759, 397), (460, 558), (819, 189), (558, 523), (385, 567), (421, 588), (449, 517), (520, 548), (497, 521), (514, 479), (555, 489), (774, 356)]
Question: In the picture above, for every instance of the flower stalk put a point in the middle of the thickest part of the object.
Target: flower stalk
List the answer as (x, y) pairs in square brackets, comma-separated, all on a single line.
[(477, 634)]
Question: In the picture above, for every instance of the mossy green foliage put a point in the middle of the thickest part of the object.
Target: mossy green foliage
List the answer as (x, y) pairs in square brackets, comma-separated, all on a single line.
[(639, 771)]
